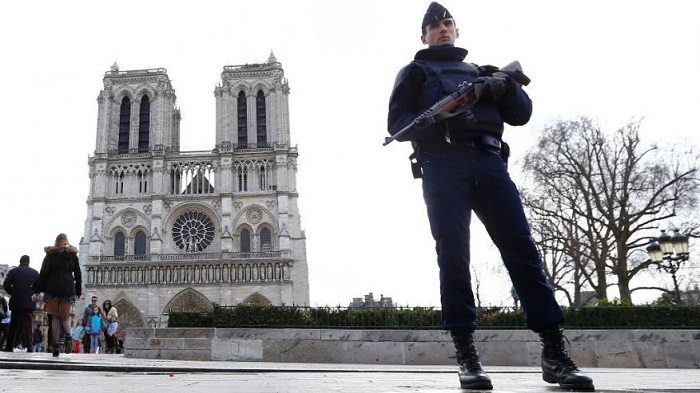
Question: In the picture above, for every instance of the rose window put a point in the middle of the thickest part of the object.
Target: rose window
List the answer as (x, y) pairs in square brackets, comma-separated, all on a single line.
[(193, 231)]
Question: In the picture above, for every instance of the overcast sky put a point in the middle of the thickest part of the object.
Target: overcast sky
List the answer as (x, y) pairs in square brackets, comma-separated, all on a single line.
[(363, 214)]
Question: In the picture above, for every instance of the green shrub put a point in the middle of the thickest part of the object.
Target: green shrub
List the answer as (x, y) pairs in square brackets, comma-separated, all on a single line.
[(597, 317)]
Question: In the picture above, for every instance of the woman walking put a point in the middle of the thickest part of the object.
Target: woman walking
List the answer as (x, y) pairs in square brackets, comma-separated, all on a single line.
[(61, 283), (112, 319)]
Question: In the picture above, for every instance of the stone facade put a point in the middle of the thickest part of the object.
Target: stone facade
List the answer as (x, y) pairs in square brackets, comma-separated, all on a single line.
[(170, 229), (589, 348)]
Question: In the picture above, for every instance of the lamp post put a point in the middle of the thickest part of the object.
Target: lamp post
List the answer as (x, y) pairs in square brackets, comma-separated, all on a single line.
[(669, 253)]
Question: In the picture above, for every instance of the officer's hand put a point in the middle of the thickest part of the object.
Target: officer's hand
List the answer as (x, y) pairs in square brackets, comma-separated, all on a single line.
[(490, 90), (426, 121)]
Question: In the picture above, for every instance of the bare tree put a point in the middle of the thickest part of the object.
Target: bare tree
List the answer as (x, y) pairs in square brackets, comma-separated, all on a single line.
[(596, 197)]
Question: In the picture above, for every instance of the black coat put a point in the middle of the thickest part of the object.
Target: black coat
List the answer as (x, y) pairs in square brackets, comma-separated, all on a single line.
[(60, 272), (18, 284)]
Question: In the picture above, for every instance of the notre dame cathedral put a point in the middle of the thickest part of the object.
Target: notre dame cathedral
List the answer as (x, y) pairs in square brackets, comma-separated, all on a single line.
[(181, 230)]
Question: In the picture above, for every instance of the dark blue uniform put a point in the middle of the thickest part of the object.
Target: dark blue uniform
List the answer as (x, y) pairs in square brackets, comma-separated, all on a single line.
[(461, 175)]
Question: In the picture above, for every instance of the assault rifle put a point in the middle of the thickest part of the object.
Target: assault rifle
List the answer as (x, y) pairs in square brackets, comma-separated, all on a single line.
[(466, 96)]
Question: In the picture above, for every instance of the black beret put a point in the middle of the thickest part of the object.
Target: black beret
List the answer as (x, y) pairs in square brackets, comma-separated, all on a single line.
[(435, 12)]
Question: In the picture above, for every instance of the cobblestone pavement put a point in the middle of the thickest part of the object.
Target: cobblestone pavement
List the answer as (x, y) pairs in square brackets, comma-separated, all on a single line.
[(40, 372)]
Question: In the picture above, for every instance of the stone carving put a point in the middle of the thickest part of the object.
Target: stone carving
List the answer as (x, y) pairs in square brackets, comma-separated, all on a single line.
[(129, 315), (110, 210), (254, 215), (147, 209), (129, 219)]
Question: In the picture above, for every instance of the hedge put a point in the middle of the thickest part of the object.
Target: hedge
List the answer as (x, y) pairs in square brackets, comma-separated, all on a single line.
[(601, 317)]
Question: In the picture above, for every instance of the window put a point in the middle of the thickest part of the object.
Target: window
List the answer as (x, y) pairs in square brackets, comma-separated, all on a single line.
[(143, 181), (243, 179), (144, 124), (140, 243), (265, 240), (120, 183), (242, 121), (261, 119), (124, 126), (119, 244), (193, 232), (262, 179), (245, 241)]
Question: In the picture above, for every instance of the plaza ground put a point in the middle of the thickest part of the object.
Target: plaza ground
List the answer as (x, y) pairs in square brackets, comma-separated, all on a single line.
[(40, 372)]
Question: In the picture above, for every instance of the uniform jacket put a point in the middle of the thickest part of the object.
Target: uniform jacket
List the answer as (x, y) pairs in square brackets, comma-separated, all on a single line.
[(436, 72), (60, 272), (18, 284)]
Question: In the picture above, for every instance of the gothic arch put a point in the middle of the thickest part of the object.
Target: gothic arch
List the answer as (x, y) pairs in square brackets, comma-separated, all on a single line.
[(241, 227), (261, 86), (139, 227), (124, 92), (256, 299), (141, 220), (267, 218), (238, 240), (116, 229), (240, 88), (145, 90), (188, 300), (129, 315), (273, 235)]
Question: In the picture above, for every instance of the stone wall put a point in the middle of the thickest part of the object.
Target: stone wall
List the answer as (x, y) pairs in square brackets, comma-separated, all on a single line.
[(589, 348)]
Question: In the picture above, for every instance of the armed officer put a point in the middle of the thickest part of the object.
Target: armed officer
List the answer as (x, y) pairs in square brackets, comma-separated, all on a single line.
[(461, 160)]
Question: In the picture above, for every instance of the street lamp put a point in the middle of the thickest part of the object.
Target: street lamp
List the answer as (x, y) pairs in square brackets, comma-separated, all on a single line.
[(669, 253)]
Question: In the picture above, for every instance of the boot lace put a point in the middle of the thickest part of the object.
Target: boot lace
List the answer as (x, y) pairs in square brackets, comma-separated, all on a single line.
[(467, 355), (555, 347)]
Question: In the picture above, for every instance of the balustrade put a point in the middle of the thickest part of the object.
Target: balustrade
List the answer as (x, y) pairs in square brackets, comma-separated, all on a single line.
[(189, 273)]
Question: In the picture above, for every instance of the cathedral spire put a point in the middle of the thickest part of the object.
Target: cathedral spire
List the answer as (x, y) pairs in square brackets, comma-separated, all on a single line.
[(272, 59)]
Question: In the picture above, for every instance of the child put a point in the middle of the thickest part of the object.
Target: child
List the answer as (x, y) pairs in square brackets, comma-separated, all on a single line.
[(77, 334), (94, 327)]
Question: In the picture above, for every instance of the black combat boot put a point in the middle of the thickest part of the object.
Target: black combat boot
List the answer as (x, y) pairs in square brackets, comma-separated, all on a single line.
[(471, 375), (557, 365)]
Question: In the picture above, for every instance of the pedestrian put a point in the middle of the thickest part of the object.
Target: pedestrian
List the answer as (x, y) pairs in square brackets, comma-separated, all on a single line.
[(77, 333), (461, 161), (111, 317), (61, 283), (94, 329), (5, 313), (38, 338), (87, 315), (18, 284)]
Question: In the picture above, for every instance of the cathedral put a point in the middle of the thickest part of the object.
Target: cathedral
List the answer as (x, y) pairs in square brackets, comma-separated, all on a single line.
[(184, 230)]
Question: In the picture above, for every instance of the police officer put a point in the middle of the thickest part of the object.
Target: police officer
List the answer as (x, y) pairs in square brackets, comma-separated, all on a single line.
[(463, 171)]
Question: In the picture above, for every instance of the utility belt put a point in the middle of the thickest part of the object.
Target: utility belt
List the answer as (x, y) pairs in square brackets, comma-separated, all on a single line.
[(483, 142)]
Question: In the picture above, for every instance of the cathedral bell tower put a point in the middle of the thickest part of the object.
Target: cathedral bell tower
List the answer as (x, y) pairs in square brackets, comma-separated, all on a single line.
[(171, 229)]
